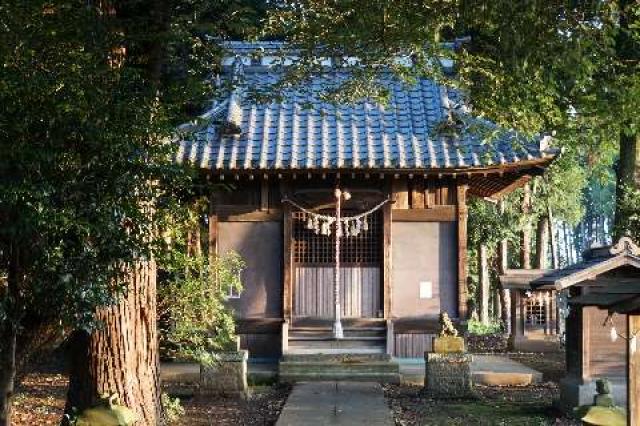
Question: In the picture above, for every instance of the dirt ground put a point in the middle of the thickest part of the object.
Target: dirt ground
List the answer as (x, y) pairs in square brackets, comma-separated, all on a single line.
[(262, 408), (551, 365), (40, 400), (521, 406), (517, 406)]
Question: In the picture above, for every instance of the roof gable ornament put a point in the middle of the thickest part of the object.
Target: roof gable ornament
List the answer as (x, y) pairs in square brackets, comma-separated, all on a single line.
[(238, 69), (625, 245)]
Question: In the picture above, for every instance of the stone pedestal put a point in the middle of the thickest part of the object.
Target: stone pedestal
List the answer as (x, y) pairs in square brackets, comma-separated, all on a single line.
[(448, 344), (227, 376), (575, 392), (448, 375)]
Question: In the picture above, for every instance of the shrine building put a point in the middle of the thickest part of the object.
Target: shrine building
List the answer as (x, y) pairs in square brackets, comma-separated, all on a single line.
[(403, 171)]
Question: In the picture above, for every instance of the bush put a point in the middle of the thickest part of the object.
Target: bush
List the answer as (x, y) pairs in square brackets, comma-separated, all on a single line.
[(477, 328), (195, 319), (200, 322), (173, 410)]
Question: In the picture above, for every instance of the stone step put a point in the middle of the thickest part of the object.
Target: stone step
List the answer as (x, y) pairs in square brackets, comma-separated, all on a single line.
[(337, 344), (335, 351), (328, 329), (327, 367), (329, 333), (332, 339), (350, 358), (393, 378)]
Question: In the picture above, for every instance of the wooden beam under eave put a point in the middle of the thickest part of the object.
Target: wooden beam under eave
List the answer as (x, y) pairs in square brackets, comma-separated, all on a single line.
[(434, 214), (518, 183), (462, 214), (400, 193), (633, 372)]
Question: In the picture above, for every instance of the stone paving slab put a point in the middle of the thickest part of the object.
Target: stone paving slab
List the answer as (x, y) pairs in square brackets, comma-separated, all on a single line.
[(493, 370), (336, 403)]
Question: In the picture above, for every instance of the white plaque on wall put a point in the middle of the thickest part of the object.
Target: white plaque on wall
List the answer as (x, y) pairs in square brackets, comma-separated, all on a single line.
[(426, 290)]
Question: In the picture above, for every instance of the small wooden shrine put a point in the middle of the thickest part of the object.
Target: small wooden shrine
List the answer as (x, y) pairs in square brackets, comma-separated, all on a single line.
[(534, 318), (603, 324)]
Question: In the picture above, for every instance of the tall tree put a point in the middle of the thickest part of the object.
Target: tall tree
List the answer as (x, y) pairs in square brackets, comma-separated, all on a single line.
[(564, 66), (90, 92)]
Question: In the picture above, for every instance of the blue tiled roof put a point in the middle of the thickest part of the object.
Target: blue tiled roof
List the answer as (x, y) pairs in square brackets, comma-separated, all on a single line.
[(290, 135)]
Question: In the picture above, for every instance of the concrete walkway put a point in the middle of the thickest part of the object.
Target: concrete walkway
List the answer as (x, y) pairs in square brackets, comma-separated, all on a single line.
[(336, 403), (490, 370)]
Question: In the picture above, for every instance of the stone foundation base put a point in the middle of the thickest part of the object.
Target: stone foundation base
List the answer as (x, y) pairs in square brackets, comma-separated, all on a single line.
[(228, 376), (448, 375), (576, 392)]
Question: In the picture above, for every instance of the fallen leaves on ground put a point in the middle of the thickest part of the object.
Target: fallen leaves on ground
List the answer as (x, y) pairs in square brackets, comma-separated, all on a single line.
[(521, 406), (40, 399), (261, 408)]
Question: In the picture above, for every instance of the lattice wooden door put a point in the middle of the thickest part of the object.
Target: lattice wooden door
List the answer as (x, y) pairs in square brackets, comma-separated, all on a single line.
[(360, 272)]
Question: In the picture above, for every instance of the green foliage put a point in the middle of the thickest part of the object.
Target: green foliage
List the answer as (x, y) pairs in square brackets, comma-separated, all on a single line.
[(107, 413), (173, 410), (196, 320), (477, 328), (527, 66), (90, 93), (194, 296), (488, 225), (629, 205)]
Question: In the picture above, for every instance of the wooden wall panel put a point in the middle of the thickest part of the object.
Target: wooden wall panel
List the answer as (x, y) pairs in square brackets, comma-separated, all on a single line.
[(261, 345), (412, 345), (605, 358), (423, 193), (400, 192), (359, 292)]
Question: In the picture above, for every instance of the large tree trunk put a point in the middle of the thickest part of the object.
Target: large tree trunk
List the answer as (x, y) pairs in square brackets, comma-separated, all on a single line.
[(122, 356), (552, 240), (525, 235), (628, 177), (9, 336), (483, 283), (7, 374), (505, 295), (542, 243)]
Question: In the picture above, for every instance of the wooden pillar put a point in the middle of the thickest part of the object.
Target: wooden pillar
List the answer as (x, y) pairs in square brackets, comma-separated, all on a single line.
[(387, 291), (547, 312), (633, 371), (574, 342), (462, 213), (517, 317), (287, 257), (264, 195), (523, 309), (586, 343)]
